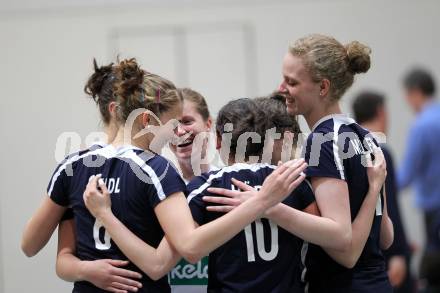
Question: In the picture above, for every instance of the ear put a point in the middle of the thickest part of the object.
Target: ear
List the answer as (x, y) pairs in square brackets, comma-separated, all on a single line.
[(324, 87), (209, 123), (145, 119), (112, 109), (218, 141)]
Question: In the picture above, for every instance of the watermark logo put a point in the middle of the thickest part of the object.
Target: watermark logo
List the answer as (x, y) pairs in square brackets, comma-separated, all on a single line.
[(272, 145)]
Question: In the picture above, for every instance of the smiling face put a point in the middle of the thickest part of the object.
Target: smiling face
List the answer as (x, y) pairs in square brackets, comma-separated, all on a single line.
[(157, 131), (302, 93), (191, 122)]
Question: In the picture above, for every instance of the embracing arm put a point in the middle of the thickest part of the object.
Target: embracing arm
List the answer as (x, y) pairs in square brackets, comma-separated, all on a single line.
[(332, 198), (304, 224), (68, 266), (103, 273), (188, 242), (307, 224), (361, 228), (176, 220), (40, 227), (155, 262), (333, 229), (361, 225), (194, 243), (376, 172)]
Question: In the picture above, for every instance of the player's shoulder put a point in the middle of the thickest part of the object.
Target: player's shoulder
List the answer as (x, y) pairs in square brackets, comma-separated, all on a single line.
[(222, 177), (84, 151), (204, 178), (76, 157), (322, 131), (137, 156), (334, 123), (353, 126), (150, 163)]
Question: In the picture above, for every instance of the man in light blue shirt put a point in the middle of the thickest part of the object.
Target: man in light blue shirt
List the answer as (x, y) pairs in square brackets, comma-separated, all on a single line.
[(421, 166)]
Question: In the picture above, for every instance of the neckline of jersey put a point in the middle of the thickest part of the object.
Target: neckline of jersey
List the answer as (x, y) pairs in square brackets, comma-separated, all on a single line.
[(332, 116)]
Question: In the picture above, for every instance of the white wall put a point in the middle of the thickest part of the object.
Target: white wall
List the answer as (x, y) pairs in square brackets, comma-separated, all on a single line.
[(46, 57)]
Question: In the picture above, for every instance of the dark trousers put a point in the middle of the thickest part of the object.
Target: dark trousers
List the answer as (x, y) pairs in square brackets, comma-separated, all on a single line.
[(430, 264)]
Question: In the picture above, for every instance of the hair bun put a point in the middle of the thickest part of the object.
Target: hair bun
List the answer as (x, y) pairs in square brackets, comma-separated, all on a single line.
[(96, 82), (358, 57), (130, 77)]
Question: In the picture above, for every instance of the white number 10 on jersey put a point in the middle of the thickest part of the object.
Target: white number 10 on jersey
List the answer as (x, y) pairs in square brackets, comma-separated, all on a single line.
[(261, 249)]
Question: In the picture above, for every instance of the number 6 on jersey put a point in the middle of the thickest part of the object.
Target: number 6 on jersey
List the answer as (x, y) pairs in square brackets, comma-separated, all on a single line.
[(98, 243)]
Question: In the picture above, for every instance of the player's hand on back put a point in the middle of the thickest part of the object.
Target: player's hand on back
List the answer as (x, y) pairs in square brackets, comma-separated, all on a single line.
[(107, 274), (276, 187), (230, 198), (97, 200), (283, 180)]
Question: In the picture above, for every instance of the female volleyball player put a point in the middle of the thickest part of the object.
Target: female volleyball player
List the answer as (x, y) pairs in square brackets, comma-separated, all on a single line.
[(103, 273), (263, 257), (100, 86), (193, 156), (317, 71)]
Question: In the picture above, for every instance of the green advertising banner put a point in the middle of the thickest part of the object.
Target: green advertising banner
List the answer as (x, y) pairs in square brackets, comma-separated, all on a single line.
[(185, 273)]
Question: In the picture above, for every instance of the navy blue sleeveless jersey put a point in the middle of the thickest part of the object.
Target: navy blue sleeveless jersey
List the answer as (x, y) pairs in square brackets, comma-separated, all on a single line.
[(137, 182), (261, 258), (337, 148)]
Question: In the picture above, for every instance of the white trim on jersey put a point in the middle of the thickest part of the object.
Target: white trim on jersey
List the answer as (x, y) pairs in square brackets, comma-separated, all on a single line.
[(229, 169), (106, 152), (338, 160), (92, 147), (344, 119), (338, 121), (130, 154)]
